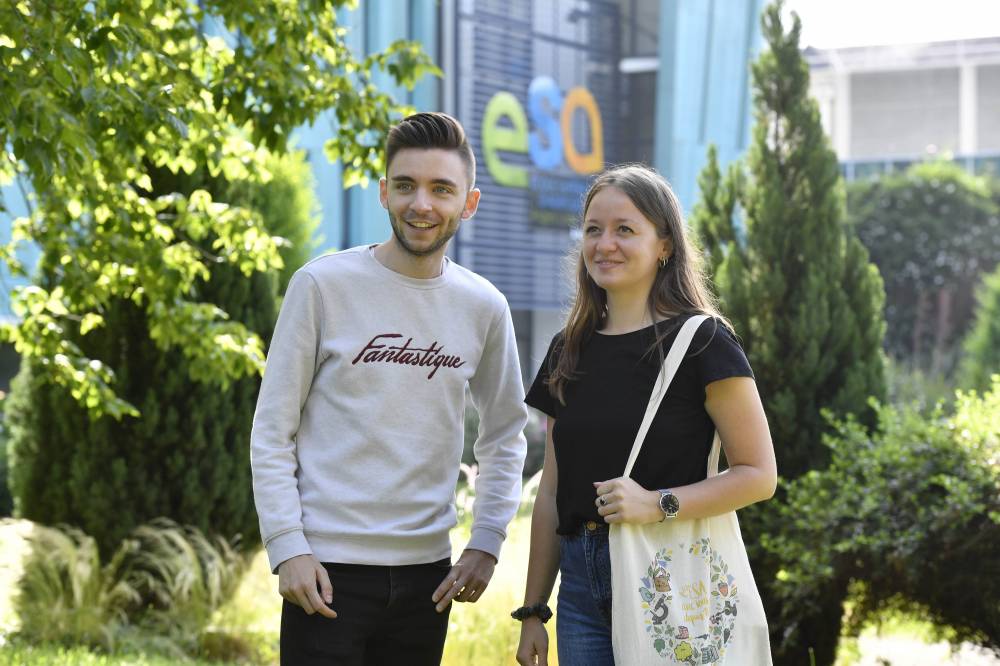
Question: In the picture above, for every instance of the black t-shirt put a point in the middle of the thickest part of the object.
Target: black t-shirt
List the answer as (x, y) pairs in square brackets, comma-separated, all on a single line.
[(595, 429)]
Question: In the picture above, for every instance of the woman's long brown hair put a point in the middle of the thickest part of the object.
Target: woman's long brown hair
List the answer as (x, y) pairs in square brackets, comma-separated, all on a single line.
[(680, 287)]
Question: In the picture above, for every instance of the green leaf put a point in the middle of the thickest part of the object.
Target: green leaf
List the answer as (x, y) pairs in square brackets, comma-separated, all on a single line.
[(90, 321)]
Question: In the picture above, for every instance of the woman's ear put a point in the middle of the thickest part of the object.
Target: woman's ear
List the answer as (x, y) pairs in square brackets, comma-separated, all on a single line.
[(668, 247)]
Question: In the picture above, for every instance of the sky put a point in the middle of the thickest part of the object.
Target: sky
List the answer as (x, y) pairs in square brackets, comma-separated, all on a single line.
[(841, 23)]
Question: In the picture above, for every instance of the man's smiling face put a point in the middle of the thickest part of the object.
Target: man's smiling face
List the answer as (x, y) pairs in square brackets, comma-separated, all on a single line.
[(427, 195)]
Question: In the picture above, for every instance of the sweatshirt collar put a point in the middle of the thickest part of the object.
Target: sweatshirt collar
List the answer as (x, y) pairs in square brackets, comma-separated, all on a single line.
[(405, 280)]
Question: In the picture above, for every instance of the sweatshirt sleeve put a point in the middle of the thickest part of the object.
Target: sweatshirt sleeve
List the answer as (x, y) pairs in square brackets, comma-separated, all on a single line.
[(498, 395), (291, 364)]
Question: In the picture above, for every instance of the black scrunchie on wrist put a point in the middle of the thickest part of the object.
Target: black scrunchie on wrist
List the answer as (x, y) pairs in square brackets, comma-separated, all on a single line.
[(539, 610)]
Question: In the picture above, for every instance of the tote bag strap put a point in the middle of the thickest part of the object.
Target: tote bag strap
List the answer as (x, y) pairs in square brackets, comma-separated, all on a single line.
[(666, 375)]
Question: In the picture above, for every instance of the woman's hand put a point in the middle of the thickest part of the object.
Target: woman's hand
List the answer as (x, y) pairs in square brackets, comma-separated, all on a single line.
[(622, 500), (533, 649)]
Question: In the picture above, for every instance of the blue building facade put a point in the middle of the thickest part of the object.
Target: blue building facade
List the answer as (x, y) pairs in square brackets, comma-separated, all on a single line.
[(550, 93)]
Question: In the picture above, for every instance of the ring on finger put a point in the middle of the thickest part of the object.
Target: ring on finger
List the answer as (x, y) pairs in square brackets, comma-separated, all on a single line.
[(602, 501)]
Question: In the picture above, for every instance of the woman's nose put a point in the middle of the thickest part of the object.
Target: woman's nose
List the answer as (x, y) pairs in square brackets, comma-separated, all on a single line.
[(606, 241)]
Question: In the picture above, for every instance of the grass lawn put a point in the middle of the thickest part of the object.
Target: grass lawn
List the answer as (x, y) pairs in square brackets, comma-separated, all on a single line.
[(482, 633)]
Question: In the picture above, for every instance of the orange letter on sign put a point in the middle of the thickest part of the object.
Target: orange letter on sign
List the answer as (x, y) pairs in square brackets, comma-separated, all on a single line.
[(592, 162)]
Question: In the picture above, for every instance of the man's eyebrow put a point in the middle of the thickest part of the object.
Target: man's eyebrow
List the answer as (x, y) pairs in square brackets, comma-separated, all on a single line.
[(436, 181)]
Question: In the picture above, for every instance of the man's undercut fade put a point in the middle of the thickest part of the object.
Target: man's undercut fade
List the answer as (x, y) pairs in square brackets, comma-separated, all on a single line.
[(431, 130)]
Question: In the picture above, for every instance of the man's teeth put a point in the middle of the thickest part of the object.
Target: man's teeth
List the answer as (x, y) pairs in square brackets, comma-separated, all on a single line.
[(421, 225)]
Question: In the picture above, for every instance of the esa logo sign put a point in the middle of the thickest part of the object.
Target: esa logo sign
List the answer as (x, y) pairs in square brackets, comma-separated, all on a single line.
[(550, 143)]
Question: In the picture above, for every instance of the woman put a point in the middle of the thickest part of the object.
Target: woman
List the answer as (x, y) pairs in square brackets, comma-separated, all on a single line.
[(638, 280)]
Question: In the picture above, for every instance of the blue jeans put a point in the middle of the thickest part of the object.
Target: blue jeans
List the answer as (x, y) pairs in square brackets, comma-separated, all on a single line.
[(583, 623)]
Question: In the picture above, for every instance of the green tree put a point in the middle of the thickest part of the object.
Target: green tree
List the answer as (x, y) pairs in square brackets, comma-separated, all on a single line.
[(793, 278), (186, 456), (6, 500), (109, 93), (803, 296), (289, 208), (933, 231), (982, 345)]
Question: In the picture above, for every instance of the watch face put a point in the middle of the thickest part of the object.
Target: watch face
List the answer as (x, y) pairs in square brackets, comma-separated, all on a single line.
[(669, 503)]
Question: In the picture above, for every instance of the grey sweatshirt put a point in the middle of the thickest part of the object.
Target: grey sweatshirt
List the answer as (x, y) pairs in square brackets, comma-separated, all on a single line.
[(358, 431)]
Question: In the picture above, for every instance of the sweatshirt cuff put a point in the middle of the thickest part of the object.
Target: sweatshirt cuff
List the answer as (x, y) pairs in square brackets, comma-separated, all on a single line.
[(486, 540), (285, 547)]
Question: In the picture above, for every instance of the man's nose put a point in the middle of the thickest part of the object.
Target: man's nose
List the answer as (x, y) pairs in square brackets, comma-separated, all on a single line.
[(421, 201)]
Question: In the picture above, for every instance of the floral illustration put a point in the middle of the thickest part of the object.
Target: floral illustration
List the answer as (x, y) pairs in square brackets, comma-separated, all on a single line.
[(687, 622)]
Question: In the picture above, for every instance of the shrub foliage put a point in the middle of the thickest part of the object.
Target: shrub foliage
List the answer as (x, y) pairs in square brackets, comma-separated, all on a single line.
[(911, 513), (159, 589), (982, 345)]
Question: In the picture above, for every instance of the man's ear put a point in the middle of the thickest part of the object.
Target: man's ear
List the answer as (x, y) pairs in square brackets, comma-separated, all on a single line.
[(383, 192), (471, 203)]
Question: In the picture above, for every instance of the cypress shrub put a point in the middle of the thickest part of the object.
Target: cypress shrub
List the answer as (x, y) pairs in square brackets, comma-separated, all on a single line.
[(791, 275), (800, 291)]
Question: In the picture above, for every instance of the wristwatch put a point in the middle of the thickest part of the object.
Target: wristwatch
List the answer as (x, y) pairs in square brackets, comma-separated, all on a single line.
[(669, 504)]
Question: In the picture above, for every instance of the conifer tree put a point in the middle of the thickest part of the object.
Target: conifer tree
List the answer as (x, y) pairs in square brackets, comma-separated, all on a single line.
[(805, 300), (791, 275)]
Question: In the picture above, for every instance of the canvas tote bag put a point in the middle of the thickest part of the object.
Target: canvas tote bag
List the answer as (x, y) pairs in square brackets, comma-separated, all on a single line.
[(682, 590)]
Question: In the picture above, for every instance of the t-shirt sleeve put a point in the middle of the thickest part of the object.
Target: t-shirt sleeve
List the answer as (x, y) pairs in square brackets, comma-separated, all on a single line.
[(718, 354), (538, 395)]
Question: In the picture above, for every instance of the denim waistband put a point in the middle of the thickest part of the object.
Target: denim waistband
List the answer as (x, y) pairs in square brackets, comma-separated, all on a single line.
[(589, 528)]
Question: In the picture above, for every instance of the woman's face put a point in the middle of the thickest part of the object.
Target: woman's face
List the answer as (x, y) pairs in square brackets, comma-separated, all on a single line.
[(620, 247)]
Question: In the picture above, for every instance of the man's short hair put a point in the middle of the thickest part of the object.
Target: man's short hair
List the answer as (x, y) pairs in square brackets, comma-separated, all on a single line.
[(431, 130)]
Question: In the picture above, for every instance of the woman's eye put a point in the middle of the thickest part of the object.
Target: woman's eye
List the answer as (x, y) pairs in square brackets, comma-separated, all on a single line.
[(624, 229)]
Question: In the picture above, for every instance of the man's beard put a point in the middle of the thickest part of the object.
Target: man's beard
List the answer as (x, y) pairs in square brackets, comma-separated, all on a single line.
[(434, 247)]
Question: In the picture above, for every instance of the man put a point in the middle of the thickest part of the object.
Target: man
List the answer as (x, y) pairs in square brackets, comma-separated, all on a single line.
[(358, 432)]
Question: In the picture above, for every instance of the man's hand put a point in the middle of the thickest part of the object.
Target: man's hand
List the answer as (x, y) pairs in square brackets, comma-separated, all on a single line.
[(467, 579), (301, 579)]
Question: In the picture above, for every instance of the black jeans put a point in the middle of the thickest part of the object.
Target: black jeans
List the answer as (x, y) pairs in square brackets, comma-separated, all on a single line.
[(384, 616)]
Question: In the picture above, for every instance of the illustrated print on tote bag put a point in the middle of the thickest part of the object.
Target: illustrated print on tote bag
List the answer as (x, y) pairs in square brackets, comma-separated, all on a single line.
[(701, 634)]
